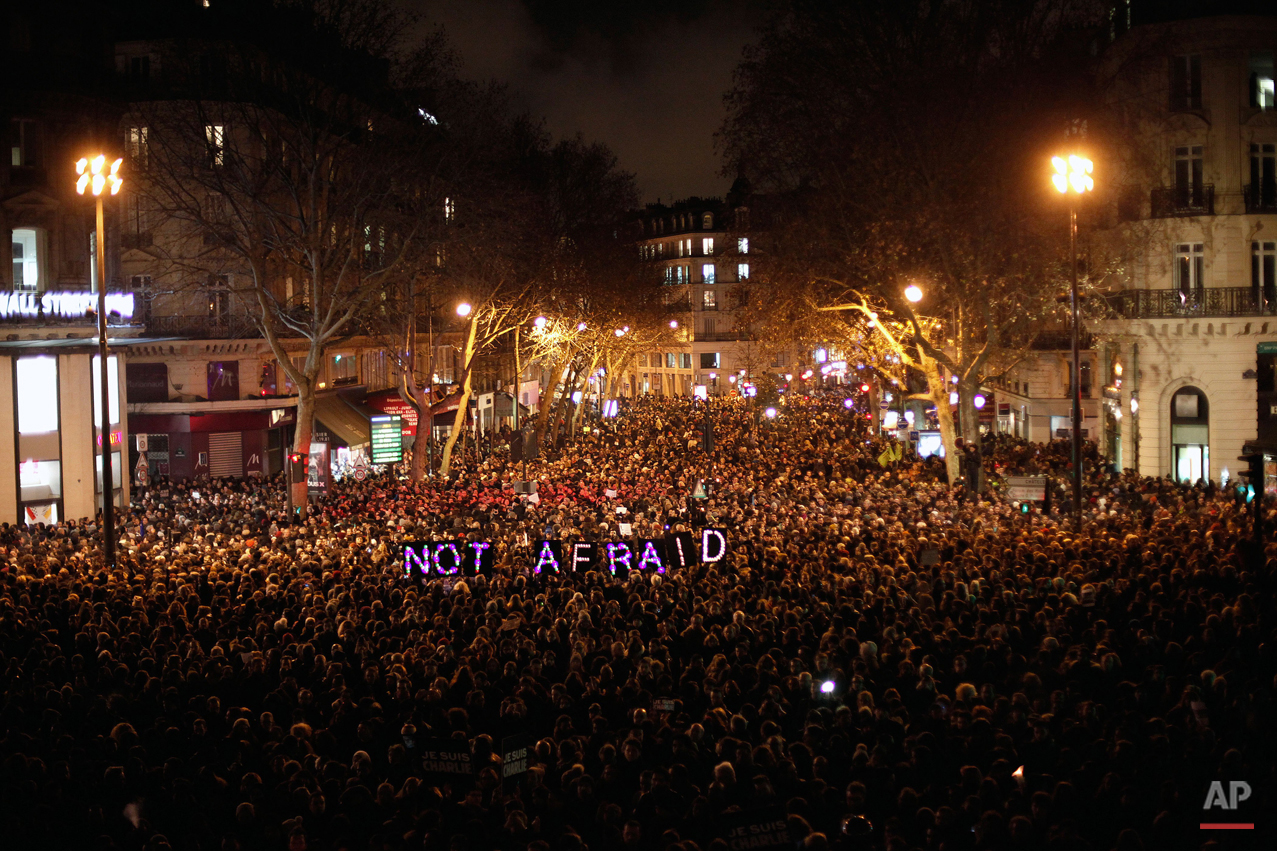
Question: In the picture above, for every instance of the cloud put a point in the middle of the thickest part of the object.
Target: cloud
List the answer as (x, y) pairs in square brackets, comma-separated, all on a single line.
[(649, 84)]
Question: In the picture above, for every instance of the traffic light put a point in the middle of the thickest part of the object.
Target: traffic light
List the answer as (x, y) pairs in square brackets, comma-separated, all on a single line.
[(1025, 507), (296, 466), (1254, 474)]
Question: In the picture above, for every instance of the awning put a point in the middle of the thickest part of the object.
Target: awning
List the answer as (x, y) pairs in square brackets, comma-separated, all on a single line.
[(343, 422)]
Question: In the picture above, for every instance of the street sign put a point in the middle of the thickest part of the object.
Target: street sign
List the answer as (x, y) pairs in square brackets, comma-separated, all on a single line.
[(142, 471), (699, 492), (387, 439), (913, 435), (1026, 488), (884, 404)]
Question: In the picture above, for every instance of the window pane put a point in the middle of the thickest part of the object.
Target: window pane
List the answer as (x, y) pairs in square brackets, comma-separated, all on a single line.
[(113, 386), (37, 395)]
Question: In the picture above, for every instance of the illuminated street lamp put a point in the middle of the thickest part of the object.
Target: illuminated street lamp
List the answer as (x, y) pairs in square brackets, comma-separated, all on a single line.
[(580, 326), (95, 177), (1073, 178), (913, 293), (540, 322), (674, 324), (463, 309)]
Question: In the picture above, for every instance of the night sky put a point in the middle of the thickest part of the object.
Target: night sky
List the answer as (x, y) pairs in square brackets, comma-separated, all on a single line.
[(647, 77)]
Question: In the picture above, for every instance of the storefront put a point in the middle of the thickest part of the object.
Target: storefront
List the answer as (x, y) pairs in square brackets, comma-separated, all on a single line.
[(50, 415)]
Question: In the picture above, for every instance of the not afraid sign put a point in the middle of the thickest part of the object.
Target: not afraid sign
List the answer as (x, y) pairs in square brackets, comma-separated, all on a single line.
[(460, 559)]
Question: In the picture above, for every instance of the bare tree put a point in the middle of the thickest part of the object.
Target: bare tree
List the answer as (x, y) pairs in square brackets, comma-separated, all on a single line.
[(291, 183)]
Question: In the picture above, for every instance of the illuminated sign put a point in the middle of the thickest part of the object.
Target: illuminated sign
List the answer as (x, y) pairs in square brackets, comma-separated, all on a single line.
[(116, 438), (423, 560), (387, 439), (75, 303)]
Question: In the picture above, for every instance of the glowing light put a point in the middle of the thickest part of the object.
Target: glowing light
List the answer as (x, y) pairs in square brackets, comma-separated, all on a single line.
[(731, 379), (580, 326), (1135, 405), (978, 401), (913, 293), (540, 322), (1073, 173), (463, 309), (821, 355), (770, 413), (94, 175), (953, 398), (909, 417), (847, 403), (789, 376), (674, 324), (827, 687)]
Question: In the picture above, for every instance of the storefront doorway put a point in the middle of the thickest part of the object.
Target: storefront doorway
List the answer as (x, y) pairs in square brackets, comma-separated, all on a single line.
[(1190, 436)]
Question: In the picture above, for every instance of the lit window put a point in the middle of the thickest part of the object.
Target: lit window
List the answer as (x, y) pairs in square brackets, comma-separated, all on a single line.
[(1190, 266), (709, 273), (138, 147), (449, 209), (707, 221), (742, 244), (26, 260), (37, 382), (709, 300), (24, 141), (709, 360), (742, 271), (1262, 91), (669, 274), (112, 386), (707, 245), (215, 135)]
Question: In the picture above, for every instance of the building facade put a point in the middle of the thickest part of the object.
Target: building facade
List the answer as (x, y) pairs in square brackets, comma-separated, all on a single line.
[(1185, 357)]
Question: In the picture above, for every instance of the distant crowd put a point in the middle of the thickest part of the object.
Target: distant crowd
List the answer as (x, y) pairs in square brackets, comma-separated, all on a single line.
[(881, 661)]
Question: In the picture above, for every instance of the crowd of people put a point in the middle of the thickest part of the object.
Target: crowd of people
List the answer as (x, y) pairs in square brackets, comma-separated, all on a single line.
[(881, 661)]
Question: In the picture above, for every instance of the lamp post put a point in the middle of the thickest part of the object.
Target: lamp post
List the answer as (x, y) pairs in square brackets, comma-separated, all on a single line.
[(1073, 178), (95, 177)]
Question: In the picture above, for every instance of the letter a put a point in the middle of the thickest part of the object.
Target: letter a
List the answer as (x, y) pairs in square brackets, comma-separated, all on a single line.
[(546, 559), (1215, 797)]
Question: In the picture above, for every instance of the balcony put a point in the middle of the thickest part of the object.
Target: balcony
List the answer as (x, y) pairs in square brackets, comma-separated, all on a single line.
[(1261, 197), (1175, 303), (230, 327), (1179, 201), (136, 240), (719, 336)]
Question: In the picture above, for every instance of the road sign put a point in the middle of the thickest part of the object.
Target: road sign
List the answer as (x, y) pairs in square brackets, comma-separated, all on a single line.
[(699, 492), (142, 471), (1026, 488), (913, 435), (884, 404)]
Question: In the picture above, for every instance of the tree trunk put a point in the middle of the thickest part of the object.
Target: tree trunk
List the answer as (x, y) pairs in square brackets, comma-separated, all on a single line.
[(302, 434), (576, 406), (970, 425), (948, 437), (549, 398), (463, 407), (561, 408)]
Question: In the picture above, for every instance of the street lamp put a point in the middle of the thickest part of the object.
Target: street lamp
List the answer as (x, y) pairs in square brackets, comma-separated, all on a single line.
[(540, 322), (913, 293), (463, 309), (674, 324), (1073, 178), (95, 177)]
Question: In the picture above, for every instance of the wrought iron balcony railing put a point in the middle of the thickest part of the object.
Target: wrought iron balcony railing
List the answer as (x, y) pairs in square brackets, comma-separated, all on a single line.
[(1261, 197), (228, 327), (1207, 301), (1191, 200)]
